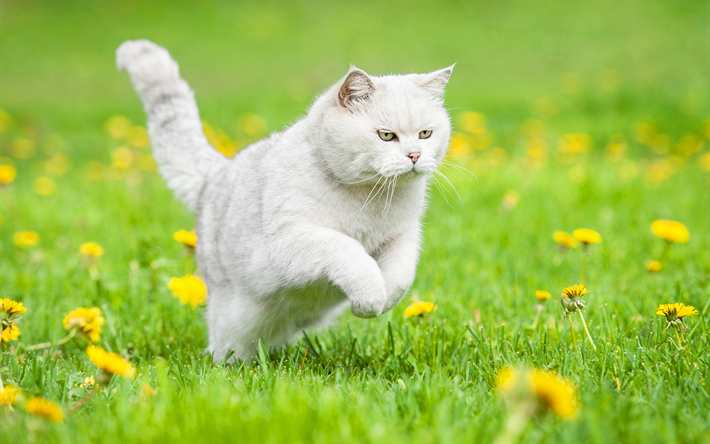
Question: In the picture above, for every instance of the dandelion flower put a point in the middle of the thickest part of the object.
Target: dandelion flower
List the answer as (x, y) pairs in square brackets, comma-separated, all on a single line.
[(91, 250), (675, 313), (572, 303), (148, 391), (137, 137), (10, 309), (254, 125), (185, 237), (25, 238), (7, 174), (670, 231), (573, 291), (654, 266), (9, 395), (117, 126), (88, 321), (89, 382), (44, 186), (44, 408), (542, 296), (511, 200), (110, 363), (419, 309), (564, 239), (549, 390), (587, 236), (189, 289), (10, 333)]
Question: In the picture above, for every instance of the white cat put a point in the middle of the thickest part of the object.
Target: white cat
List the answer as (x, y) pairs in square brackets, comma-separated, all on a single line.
[(321, 215)]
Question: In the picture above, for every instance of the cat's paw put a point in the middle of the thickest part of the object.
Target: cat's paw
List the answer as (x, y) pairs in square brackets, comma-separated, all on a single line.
[(367, 309), (146, 62)]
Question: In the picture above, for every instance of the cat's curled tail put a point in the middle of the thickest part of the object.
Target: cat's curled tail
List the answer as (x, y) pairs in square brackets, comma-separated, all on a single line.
[(185, 157)]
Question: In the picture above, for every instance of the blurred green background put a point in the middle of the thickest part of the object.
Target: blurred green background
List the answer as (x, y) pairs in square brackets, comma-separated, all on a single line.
[(570, 114)]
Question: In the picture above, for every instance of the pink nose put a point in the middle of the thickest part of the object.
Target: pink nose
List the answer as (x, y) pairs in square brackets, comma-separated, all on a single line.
[(414, 156)]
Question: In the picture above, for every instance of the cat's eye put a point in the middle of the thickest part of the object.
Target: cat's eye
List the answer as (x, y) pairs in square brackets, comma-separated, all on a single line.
[(387, 135), (424, 134)]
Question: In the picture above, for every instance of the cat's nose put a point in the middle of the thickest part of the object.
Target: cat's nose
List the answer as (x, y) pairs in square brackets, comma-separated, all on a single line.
[(414, 156)]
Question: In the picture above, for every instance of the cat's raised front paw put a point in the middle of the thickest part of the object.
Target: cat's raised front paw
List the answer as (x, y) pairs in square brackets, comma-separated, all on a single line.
[(367, 309)]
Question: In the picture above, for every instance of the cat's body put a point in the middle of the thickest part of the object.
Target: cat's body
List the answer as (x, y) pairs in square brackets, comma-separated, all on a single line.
[(299, 225)]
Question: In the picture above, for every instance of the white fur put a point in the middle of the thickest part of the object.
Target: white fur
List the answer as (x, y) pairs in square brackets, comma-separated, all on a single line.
[(309, 220)]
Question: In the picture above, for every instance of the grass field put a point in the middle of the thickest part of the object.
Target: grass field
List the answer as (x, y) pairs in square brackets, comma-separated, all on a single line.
[(592, 114)]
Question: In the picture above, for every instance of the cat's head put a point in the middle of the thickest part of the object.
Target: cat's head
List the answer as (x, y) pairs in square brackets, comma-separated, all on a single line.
[(384, 126)]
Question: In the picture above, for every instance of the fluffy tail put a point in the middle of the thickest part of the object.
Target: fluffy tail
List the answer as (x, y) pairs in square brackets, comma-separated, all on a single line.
[(185, 157)]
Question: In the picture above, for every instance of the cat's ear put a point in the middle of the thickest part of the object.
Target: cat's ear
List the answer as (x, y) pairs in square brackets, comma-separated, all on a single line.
[(357, 86), (435, 82)]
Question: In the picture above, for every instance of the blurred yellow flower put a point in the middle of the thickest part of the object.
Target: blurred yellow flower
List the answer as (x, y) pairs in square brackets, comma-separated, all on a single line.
[(188, 238), (110, 363), (5, 121), (10, 333), (459, 145), (44, 408), (89, 382), (91, 249), (511, 200), (23, 148), (9, 395), (10, 309), (253, 125), (44, 186), (703, 161), (419, 309), (25, 238), (575, 143), (587, 236), (670, 231), (617, 148), (472, 122), (542, 295), (148, 391), (549, 390), (565, 239), (654, 266), (7, 174), (117, 126), (122, 158), (58, 164), (88, 321), (190, 289), (137, 137)]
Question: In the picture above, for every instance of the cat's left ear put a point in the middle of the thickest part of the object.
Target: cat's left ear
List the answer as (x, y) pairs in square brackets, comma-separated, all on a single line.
[(435, 82)]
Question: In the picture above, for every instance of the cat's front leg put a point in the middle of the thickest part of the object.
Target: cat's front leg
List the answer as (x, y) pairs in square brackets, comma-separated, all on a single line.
[(309, 253), (398, 261)]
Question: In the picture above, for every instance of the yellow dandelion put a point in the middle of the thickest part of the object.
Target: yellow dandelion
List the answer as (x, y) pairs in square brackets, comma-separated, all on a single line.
[(10, 309), (188, 238), (253, 125), (9, 395), (44, 408), (587, 236), (575, 291), (25, 238), (44, 186), (511, 200), (675, 311), (137, 137), (87, 321), (472, 122), (565, 239), (110, 363), (190, 289), (654, 266), (542, 295), (91, 250), (419, 309), (549, 390), (122, 158), (575, 144), (7, 174), (459, 144), (10, 333), (670, 231), (117, 126), (58, 164)]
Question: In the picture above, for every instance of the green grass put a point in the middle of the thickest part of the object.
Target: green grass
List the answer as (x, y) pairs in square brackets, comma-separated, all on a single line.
[(385, 379)]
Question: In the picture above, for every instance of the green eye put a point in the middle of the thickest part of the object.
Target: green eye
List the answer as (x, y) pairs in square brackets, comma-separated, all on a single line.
[(386, 135), (424, 134)]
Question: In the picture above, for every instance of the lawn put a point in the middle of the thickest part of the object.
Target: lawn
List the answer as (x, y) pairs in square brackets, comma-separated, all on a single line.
[(571, 115)]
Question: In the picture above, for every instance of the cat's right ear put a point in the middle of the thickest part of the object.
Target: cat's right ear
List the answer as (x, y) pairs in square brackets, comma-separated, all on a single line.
[(356, 87)]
